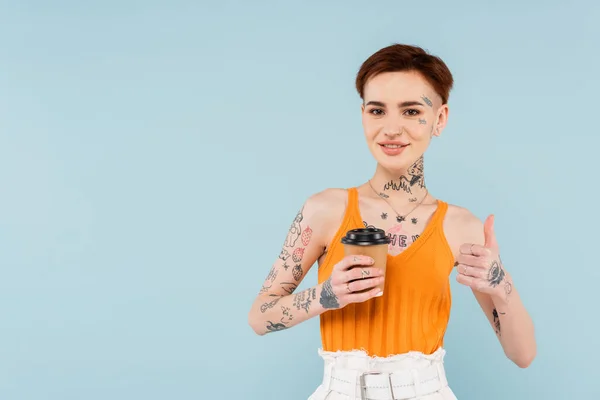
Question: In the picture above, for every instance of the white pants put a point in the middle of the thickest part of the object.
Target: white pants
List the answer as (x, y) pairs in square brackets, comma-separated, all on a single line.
[(356, 376)]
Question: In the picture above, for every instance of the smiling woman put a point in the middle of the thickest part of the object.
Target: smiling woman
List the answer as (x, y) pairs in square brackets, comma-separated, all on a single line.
[(383, 323)]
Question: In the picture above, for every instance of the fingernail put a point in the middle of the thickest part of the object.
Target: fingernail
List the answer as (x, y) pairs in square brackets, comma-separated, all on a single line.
[(379, 294), (371, 261)]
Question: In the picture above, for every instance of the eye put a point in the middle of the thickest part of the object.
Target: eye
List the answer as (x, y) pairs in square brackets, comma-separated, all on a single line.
[(412, 112), (376, 111)]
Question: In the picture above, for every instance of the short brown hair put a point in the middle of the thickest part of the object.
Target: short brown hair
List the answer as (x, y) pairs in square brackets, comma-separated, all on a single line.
[(402, 57)]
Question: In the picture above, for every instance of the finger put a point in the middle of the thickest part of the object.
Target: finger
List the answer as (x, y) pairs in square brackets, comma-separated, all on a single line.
[(350, 261), (469, 270), (489, 234), (361, 273), (364, 296), (363, 284), (473, 283), (474, 249), (475, 261)]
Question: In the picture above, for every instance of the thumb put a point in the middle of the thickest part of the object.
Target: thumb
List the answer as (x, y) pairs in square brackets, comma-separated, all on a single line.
[(488, 232)]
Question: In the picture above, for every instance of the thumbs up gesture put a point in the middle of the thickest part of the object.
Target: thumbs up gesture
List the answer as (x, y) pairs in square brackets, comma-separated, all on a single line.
[(480, 267)]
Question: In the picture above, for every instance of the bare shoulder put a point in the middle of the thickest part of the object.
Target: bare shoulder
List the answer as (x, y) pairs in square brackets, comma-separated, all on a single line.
[(462, 226), (327, 208), (330, 197)]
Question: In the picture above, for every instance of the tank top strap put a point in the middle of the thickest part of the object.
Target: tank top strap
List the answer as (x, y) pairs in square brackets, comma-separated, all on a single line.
[(352, 209), (440, 213)]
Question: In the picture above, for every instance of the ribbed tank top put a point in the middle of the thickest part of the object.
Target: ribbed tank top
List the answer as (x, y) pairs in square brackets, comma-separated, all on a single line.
[(413, 313)]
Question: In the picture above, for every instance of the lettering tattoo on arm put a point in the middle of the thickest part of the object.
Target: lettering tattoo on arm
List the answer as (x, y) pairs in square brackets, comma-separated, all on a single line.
[(328, 298), (304, 299)]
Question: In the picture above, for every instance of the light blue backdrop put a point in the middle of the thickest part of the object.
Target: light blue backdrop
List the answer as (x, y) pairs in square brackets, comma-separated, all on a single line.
[(153, 155)]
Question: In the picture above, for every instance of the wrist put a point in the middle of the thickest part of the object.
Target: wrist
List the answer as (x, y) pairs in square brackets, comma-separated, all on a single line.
[(504, 292)]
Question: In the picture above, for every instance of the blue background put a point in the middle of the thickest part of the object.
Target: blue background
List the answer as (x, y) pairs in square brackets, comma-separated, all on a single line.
[(153, 155)]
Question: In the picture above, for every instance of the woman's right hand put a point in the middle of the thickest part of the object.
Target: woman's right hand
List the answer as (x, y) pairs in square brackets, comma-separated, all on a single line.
[(353, 280)]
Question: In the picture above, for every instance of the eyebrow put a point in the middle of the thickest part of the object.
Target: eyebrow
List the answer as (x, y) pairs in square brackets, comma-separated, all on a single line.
[(400, 105)]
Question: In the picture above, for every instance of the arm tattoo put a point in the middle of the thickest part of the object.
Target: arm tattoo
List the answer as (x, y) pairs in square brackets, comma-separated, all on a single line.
[(507, 288), (297, 272), (298, 254), (507, 285), (272, 275), (264, 289), (497, 321), (284, 255), (306, 236), (328, 298), (295, 230), (268, 305), (274, 327), (282, 324), (304, 299), (289, 287)]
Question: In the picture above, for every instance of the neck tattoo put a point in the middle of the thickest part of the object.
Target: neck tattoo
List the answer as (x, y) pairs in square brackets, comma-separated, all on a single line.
[(399, 217)]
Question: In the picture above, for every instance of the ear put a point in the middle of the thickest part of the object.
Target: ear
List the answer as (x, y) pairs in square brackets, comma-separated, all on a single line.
[(442, 120)]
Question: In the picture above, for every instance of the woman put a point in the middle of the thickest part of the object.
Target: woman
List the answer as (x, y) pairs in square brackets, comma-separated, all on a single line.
[(388, 344)]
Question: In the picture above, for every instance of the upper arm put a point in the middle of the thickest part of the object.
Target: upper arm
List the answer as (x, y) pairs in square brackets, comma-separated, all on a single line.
[(303, 245)]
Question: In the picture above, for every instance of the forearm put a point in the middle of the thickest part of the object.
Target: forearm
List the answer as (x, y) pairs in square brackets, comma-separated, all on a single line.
[(275, 313), (514, 328)]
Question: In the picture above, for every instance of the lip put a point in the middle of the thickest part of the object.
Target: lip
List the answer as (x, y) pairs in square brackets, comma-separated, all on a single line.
[(396, 142), (393, 152)]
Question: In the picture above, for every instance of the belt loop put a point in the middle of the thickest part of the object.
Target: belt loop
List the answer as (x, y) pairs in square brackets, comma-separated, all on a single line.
[(416, 382)]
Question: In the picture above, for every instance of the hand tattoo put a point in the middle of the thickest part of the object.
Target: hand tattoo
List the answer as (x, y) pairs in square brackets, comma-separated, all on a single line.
[(328, 298), (495, 274)]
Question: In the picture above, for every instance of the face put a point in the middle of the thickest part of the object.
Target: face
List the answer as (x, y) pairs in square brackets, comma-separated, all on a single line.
[(400, 114)]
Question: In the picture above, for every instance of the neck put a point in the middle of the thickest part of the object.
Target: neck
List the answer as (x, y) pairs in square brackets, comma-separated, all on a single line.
[(406, 186)]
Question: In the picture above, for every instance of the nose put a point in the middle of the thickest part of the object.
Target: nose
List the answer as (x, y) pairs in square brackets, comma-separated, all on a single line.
[(393, 130), (393, 126)]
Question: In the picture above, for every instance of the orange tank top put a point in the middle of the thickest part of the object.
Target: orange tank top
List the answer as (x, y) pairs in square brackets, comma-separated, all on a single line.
[(413, 313)]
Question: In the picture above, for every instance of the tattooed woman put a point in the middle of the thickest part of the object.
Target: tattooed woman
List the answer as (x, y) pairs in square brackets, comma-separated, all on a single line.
[(389, 344)]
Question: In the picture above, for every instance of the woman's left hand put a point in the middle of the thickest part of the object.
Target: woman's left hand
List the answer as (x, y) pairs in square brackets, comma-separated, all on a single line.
[(480, 267)]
